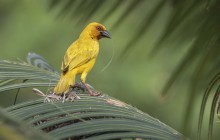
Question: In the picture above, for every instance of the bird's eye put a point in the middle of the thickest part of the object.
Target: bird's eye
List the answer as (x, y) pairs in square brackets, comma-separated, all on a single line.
[(98, 28)]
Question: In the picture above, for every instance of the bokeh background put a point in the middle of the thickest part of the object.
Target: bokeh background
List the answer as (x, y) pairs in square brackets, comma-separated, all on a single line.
[(136, 74)]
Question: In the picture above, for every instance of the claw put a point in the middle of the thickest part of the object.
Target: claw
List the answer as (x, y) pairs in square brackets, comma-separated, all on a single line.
[(72, 96)]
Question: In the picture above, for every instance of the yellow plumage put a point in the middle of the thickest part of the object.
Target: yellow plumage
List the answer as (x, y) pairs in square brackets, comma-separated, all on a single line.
[(80, 57)]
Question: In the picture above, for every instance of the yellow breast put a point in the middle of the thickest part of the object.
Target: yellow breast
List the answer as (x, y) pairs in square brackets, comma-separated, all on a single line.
[(89, 50)]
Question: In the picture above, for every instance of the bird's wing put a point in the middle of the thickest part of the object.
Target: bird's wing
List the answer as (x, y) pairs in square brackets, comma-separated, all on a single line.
[(76, 56)]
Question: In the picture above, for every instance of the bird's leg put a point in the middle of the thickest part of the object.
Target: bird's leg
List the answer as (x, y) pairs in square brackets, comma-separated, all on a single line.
[(83, 79), (81, 86), (90, 91), (72, 95)]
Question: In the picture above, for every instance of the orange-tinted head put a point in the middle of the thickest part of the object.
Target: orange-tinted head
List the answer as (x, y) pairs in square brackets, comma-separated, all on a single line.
[(96, 31)]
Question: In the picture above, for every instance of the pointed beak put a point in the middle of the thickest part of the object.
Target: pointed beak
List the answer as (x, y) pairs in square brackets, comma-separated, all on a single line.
[(105, 34)]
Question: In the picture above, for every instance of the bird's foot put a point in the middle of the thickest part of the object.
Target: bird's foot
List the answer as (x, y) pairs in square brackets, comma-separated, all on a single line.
[(72, 95), (52, 97)]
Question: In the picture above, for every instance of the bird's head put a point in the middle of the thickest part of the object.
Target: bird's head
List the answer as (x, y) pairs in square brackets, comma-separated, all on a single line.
[(96, 31)]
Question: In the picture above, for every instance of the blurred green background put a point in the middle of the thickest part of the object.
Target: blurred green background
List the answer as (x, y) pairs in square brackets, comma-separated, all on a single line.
[(136, 76)]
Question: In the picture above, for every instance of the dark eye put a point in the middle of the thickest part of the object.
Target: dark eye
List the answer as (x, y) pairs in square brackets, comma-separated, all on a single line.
[(98, 28)]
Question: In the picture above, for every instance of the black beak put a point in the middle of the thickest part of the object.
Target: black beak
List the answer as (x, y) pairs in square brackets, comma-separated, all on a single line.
[(105, 34)]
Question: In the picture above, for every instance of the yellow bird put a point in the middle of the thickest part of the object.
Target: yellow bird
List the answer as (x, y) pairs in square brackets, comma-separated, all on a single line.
[(80, 57)]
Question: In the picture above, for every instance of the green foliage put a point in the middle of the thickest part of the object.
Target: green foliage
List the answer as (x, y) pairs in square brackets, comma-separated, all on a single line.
[(35, 71), (13, 128), (213, 107), (92, 118)]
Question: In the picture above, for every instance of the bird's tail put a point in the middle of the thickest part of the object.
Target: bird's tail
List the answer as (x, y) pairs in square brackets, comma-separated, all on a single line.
[(66, 80)]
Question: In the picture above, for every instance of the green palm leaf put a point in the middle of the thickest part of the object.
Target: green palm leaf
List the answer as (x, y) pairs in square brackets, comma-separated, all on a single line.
[(12, 128), (92, 118), (206, 95), (36, 72)]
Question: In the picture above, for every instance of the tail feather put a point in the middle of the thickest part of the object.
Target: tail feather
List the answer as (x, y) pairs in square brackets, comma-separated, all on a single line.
[(66, 80)]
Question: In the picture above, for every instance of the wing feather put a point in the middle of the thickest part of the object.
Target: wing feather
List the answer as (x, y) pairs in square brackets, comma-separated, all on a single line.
[(77, 56)]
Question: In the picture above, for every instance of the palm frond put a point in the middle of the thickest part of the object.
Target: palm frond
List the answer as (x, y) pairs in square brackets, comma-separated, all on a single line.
[(111, 10), (204, 102), (36, 71), (4, 82), (144, 26), (207, 93), (194, 22), (213, 112), (12, 128), (95, 118), (133, 5)]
